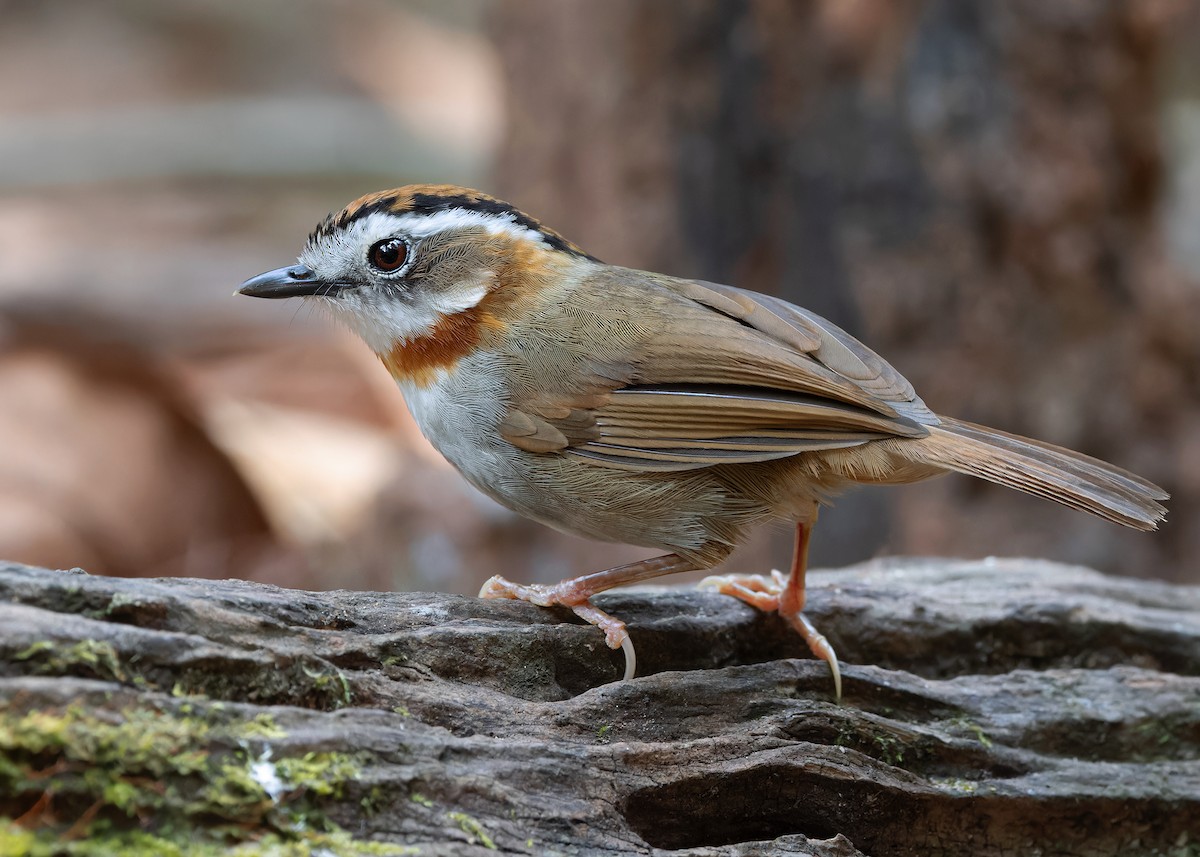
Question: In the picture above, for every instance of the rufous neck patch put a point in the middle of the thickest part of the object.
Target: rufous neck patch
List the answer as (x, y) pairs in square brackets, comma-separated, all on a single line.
[(515, 292), (419, 360)]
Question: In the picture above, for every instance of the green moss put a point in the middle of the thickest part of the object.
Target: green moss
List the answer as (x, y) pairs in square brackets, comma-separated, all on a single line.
[(957, 784), (120, 600), (16, 842), (372, 802), (472, 828), (891, 749), (262, 726), (320, 773), (140, 782), (91, 658), (886, 746), (965, 724), (312, 683), (1170, 737), (332, 686)]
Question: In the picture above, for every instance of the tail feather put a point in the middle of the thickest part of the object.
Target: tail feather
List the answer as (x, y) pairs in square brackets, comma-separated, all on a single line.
[(1070, 478)]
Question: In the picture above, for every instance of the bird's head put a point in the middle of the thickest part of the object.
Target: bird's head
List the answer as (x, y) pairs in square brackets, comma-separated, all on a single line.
[(402, 267)]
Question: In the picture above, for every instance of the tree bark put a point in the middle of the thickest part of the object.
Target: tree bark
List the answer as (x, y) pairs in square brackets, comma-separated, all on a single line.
[(991, 708), (972, 188)]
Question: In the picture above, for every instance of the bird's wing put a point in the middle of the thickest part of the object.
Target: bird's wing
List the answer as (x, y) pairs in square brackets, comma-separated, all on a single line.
[(730, 376)]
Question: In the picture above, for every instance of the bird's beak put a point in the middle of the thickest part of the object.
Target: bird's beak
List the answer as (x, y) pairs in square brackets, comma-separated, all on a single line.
[(294, 281)]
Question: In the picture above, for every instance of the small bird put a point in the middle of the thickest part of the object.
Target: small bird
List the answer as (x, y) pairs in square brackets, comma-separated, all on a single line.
[(634, 407)]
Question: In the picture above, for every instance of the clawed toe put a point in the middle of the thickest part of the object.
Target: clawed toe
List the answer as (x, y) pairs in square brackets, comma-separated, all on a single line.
[(754, 589), (819, 646), (496, 587), (534, 593), (778, 594), (746, 582), (630, 658), (615, 634)]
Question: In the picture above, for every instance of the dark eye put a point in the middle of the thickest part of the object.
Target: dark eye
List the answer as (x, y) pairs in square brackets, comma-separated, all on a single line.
[(388, 255)]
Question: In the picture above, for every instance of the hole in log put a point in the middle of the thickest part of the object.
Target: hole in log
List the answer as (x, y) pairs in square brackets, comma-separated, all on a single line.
[(714, 811), (776, 800)]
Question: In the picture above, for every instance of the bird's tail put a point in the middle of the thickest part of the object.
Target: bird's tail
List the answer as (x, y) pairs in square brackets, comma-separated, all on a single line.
[(1049, 471)]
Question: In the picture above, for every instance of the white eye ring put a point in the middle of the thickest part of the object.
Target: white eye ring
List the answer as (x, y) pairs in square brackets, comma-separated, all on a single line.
[(389, 256)]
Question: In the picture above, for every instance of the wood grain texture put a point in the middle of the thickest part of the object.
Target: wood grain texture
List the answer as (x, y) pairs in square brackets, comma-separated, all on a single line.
[(991, 708)]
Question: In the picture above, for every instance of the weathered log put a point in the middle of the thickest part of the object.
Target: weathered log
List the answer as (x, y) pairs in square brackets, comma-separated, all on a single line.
[(995, 707)]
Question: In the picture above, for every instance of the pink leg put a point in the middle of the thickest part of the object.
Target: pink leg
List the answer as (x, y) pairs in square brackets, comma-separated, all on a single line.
[(576, 593), (791, 605), (785, 595)]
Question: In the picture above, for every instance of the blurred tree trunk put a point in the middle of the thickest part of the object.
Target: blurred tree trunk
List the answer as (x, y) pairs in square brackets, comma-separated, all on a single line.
[(972, 188)]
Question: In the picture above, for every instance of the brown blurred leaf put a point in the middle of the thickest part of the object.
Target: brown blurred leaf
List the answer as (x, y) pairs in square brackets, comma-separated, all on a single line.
[(105, 463)]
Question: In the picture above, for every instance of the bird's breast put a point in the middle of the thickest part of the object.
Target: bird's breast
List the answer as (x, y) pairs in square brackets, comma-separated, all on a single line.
[(458, 410)]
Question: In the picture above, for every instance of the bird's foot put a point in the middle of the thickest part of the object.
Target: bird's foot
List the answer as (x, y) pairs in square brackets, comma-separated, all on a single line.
[(771, 595), (754, 589), (572, 594)]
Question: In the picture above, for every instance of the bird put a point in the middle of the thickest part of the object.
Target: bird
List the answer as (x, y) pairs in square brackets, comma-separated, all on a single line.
[(634, 407)]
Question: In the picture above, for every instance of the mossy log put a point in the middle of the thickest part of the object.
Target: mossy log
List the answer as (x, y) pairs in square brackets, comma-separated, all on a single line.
[(995, 707)]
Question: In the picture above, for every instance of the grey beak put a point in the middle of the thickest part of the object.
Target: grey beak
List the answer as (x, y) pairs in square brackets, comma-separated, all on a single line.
[(294, 281)]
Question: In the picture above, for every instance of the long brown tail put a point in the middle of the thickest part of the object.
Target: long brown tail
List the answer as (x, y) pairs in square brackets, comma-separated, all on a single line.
[(1049, 471)]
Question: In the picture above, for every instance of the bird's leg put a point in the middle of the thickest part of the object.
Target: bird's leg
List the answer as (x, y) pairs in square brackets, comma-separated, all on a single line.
[(791, 605), (785, 596), (577, 592)]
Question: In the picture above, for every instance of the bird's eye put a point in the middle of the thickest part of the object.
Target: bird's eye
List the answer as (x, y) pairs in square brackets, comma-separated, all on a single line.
[(388, 255)]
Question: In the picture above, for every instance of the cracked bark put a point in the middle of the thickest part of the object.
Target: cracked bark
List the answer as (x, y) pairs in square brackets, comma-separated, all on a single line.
[(990, 707)]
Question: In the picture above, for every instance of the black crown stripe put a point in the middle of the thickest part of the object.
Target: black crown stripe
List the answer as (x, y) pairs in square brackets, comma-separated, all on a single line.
[(426, 204)]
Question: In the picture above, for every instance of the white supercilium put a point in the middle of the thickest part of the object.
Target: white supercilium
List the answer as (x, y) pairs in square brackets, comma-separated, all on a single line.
[(384, 317)]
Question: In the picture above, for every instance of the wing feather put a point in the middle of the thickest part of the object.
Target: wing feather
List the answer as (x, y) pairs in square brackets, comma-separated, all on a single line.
[(733, 377)]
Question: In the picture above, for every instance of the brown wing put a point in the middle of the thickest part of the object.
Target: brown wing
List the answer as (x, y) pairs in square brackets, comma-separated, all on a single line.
[(731, 376), (816, 338)]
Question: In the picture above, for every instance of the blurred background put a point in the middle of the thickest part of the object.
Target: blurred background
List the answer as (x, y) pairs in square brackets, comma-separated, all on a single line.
[(1001, 198)]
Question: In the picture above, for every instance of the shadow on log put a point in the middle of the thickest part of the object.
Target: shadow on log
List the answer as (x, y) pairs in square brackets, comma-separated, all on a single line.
[(994, 707)]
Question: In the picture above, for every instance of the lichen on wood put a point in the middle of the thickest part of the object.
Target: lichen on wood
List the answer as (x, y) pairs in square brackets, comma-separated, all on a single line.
[(991, 707)]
